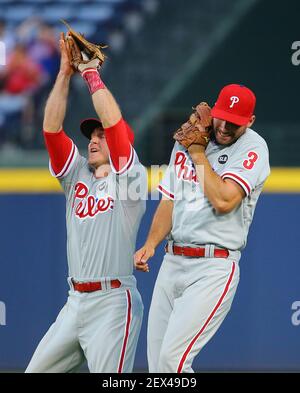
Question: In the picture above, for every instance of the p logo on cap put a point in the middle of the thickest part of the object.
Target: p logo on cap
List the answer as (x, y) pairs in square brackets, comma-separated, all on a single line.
[(236, 104), (234, 100)]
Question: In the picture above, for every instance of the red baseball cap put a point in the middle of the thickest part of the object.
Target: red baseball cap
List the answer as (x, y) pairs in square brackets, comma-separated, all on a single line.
[(235, 104), (87, 126)]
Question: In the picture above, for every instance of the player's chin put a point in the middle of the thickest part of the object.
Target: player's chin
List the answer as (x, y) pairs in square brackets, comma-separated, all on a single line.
[(224, 140), (97, 159)]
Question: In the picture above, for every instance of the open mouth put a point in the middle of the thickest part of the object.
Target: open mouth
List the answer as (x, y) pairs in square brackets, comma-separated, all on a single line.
[(94, 150), (221, 134), (224, 134)]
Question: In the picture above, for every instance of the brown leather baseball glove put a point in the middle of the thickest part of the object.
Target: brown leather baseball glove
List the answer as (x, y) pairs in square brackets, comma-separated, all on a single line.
[(197, 129), (81, 51)]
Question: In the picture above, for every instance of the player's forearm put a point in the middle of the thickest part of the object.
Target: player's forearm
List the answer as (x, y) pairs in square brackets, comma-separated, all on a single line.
[(104, 103), (214, 188), (56, 105), (106, 107), (161, 224)]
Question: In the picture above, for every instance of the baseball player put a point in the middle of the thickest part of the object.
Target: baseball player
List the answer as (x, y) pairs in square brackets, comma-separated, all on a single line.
[(209, 193), (102, 317)]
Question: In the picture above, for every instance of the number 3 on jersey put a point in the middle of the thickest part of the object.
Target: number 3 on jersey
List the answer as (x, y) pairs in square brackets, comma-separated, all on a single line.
[(249, 164)]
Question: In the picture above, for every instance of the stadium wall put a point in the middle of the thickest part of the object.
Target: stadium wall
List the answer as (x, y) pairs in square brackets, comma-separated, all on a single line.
[(260, 333)]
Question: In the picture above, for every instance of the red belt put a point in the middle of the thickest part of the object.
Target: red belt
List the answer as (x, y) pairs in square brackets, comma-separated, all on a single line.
[(93, 286), (197, 252)]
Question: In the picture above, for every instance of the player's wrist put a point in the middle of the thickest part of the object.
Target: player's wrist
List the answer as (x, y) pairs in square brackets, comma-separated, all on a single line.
[(64, 75), (151, 244), (197, 154), (92, 79)]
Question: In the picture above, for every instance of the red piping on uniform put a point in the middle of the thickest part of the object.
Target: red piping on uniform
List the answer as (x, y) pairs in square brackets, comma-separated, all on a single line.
[(229, 174), (69, 161), (189, 348), (164, 191), (127, 165), (128, 321)]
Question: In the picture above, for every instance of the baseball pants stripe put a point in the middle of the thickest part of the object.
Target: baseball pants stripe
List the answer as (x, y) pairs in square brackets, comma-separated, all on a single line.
[(102, 327), (127, 330), (188, 350), (191, 299)]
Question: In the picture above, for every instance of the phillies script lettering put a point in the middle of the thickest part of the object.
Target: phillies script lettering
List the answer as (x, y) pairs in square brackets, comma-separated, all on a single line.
[(184, 172), (89, 205)]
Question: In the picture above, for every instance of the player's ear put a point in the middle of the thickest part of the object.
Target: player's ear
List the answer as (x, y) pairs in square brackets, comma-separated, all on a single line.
[(252, 120)]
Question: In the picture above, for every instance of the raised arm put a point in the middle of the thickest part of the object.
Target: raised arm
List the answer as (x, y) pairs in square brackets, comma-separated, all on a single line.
[(56, 105), (60, 147), (118, 134), (160, 228), (106, 107), (115, 129)]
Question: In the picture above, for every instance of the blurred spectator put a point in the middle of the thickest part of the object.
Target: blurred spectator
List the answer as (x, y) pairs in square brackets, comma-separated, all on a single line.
[(7, 36), (19, 81), (33, 58), (28, 30), (44, 51), (21, 74)]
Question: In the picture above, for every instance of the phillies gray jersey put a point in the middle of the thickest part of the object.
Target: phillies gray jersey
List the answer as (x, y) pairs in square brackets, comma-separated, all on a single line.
[(195, 221), (102, 217)]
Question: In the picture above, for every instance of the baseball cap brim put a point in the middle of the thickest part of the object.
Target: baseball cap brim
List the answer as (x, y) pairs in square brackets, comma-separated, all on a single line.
[(232, 118), (87, 126)]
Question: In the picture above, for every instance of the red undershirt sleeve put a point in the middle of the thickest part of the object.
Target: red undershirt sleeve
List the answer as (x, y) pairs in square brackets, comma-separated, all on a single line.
[(121, 151), (61, 151)]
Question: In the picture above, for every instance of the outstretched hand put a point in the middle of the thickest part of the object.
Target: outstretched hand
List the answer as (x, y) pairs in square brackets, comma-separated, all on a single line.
[(141, 258), (65, 66)]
